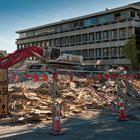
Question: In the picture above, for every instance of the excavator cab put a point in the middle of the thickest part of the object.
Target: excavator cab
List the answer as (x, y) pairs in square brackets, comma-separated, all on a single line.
[(52, 53)]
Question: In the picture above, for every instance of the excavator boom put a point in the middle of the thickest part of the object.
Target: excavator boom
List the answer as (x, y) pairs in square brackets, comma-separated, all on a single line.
[(20, 55), (48, 55)]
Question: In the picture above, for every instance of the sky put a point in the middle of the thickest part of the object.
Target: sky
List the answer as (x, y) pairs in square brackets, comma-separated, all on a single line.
[(17, 15)]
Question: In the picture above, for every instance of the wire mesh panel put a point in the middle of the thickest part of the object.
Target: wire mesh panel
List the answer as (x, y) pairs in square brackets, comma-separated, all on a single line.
[(30, 97), (29, 100)]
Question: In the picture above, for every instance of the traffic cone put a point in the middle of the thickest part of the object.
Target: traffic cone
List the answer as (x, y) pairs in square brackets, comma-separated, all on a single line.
[(57, 124), (121, 110)]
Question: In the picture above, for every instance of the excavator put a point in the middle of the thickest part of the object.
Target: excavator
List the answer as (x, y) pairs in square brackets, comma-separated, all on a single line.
[(50, 55)]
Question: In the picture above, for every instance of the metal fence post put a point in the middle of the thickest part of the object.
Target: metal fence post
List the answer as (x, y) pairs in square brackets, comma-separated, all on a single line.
[(53, 101), (118, 95)]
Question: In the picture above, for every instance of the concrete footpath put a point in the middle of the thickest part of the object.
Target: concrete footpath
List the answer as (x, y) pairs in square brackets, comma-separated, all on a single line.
[(91, 125)]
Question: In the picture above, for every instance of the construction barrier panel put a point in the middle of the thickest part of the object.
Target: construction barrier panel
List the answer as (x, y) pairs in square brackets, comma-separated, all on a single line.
[(30, 96)]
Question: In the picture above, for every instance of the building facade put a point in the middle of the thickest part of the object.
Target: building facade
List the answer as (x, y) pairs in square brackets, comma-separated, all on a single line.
[(98, 37)]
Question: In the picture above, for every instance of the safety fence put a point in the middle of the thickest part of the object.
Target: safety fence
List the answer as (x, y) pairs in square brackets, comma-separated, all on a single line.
[(33, 95)]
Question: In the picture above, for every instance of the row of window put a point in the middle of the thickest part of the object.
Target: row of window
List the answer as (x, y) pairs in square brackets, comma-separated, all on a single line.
[(108, 52), (120, 15), (98, 53), (91, 37)]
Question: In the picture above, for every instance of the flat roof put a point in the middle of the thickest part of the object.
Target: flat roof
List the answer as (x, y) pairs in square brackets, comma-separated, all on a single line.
[(133, 5)]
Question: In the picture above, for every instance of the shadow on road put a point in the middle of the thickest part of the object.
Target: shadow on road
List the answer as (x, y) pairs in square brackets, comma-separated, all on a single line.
[(86, 126)]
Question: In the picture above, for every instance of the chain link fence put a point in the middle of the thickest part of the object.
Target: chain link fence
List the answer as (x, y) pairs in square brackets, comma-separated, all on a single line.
[(30, 96)]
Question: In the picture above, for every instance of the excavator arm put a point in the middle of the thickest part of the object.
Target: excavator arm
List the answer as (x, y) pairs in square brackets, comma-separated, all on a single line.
[(48, 55), (20, 55)]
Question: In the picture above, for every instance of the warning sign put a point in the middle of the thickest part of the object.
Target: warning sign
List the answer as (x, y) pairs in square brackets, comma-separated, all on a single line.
[(3, 105)]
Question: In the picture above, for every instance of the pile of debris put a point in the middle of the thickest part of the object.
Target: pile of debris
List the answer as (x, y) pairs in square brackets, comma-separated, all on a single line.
[(136, 83), (30, 101)]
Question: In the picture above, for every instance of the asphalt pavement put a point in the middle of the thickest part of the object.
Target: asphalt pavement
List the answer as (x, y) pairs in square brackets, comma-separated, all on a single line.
[(87, 126)]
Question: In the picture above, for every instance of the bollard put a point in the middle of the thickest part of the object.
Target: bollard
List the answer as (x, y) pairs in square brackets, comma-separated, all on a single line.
[(121, 110), (57, 123)]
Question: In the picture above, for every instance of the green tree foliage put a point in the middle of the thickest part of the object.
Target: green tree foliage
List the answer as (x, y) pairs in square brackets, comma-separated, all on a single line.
[(1, 55), (130, 51)]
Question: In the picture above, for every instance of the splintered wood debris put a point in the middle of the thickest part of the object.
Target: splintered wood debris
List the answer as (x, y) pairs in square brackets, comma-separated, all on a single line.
[(34, 102)]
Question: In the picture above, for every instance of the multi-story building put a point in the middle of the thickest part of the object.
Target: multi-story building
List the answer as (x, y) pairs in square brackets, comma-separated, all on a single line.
[(98, 37)]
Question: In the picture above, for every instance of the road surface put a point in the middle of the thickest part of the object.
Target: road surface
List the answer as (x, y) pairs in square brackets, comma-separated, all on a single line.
[(95, 126)]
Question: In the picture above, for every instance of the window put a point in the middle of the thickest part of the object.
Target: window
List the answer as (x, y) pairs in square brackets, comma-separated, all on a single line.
[(39, 43), (85, 38), (19, 46), (30, 34), (132, 13), (66, 40), (71, 26), (55, 41), (73, 52), (91, 53), (90, 22), (114, 52), (22, 35), (62, 40), (94, 21), (87, 22), (78, 52), (65, 27), (55, 53), (91, 37), (72, 39), (106, 52), (130, 31), (101, 19), (122, 32), (138, 14), (78, 24), (98, 53), (85, 53), (106, 35), (120, 51), (125, 14), (114, 34), (78, 39), (98, 36), (43, 43), (47, 43), (59, 28), (105, 19), (117, 16), (50, 43)]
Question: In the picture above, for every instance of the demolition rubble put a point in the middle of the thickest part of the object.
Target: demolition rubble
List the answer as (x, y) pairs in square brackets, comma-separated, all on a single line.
[(30, 101)]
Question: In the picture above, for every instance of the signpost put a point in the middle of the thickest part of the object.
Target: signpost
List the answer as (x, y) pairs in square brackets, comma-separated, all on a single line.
[(3, 104), (3, 91)]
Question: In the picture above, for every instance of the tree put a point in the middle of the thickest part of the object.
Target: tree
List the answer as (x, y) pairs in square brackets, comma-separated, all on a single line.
[(131, 52), (1, 55)]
